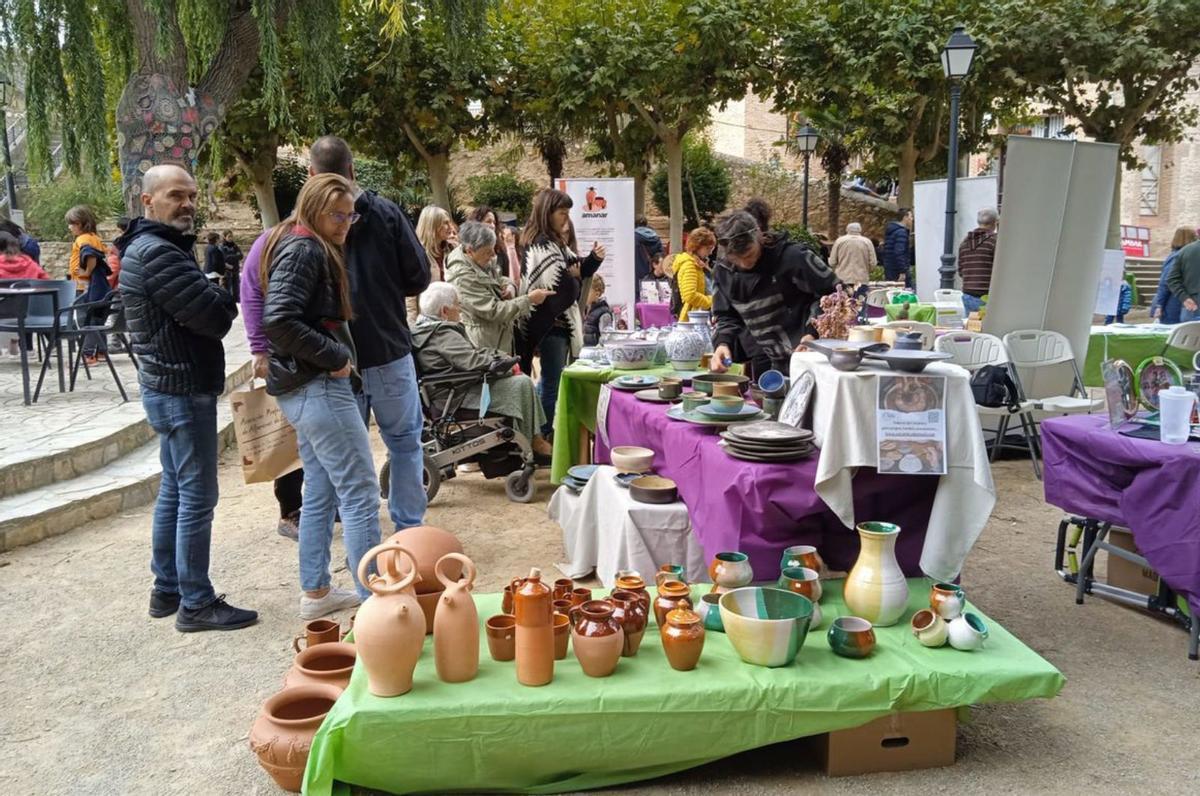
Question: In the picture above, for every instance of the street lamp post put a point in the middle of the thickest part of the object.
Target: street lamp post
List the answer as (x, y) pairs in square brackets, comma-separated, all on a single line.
[(9, 185), (806, 140), (956, 63)]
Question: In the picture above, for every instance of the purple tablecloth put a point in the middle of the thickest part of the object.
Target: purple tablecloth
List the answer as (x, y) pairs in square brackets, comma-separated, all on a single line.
[(1143, 485), (649, 315), (760, 508)]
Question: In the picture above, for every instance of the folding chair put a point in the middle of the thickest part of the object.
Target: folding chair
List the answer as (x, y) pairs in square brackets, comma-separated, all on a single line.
[(1185, 336), (974, 350), (1034, 349)]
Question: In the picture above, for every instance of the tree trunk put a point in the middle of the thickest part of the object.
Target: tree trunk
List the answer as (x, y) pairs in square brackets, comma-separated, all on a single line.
[(674, 151), (258, 164), (908, 172), (438, 164), (833, 187), (639, 194), (264, 193), (1113, 239)]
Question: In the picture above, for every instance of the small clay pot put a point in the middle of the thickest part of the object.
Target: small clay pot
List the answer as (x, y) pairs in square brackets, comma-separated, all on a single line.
[(562, 588), (282, 735), (323, 664), (801, 555), (683, 637), (851, 637), (579, 596), (669, 572), (709, 610), (670, 388), (506, 600), (597, 638), (670, 594), (634, 583), (563, 606), (730, 570), (631, 614), (947, 600), (929, 628), (801, 580), (318, 631), (502, 637), (562, 636)]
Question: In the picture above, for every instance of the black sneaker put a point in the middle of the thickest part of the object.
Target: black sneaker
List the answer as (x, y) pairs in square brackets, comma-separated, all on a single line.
[(163, 603), (217, 615)]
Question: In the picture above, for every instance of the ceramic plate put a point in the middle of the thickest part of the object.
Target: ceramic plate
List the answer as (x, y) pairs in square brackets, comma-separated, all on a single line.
[(582, 472), (677, 413), (573, 484), (795, 406), (1154, 375), (653, 397), (730, 441), (625, 478), (635, 382), (764, 457), (770, 432), (749, 410), (908, 361)]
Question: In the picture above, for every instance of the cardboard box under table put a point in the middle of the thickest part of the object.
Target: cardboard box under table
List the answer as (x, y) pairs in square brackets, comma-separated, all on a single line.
[(492, 734)]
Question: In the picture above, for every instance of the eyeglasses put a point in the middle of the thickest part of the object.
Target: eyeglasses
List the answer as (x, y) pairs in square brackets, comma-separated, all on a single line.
[(343, 218)]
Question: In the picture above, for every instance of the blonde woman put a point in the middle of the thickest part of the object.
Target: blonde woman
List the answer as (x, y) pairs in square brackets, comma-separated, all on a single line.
[(435, 230), (311, 362), (691, 268)]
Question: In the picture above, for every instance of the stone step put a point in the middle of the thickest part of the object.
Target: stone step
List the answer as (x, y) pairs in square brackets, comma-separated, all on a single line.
[(128, 482)]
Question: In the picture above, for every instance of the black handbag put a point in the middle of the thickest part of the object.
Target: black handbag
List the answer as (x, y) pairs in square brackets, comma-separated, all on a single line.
[(993, 385)]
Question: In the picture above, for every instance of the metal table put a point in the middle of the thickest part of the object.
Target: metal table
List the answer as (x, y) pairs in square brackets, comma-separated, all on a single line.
[(23, 295)]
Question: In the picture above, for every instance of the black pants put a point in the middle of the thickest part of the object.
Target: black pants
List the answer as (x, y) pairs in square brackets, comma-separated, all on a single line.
[(289, 493)]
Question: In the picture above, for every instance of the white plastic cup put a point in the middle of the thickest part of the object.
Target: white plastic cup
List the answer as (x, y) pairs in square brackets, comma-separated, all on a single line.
[(1175, 414)]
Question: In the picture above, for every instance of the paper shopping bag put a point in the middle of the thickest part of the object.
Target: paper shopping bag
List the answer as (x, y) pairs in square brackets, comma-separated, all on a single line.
[(265, 439)]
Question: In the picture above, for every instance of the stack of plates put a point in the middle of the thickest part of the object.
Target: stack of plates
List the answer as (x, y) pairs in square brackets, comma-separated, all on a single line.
[(634, 383), (767, 441), (577, 477)]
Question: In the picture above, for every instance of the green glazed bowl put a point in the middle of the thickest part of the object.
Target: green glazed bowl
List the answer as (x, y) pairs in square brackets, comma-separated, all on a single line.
[(851, 637)]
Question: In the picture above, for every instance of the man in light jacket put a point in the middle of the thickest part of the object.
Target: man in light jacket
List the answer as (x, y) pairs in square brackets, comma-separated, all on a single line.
[(852, 256)]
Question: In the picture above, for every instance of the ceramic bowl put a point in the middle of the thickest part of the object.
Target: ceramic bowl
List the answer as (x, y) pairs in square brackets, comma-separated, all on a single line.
[(653, 489), (851, 637), (705, 381), (631, 458), (865, 334), (846, 359), (766, 626), (630, 354), (694, 400), (801, 580), (726, 405), (772, 383), (709, 608), (593, 353), (670, 388)]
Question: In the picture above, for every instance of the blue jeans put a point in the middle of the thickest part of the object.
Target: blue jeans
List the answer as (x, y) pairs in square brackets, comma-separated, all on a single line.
[(555, 349), (182, 531), (391, 392), (1188, 315), (338, 475), (971, 303)]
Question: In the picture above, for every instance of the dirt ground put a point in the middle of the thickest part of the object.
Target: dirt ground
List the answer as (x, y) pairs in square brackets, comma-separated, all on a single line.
[(100, 699)]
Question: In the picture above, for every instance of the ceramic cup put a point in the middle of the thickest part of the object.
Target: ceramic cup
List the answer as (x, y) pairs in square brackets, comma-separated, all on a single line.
[(580, 595), (693, 401), (502, 637), (708, 606), (562, 588), (319, 631), (772, 383), (562, 635), (669, 572), (967, 632), (670, 388), (947, 600), (851, 637), (563, 606), (800, 555), (929, 628), (801, 580)]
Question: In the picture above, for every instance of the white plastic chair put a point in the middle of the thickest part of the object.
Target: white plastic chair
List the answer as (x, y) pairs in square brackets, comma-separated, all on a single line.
[(1186, 336), (1036, 348), (948, 295), (877, 297), (925, 329), (974, 350), (892, 292)]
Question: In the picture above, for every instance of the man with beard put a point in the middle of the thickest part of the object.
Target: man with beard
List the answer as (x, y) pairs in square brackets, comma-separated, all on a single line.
[(178, 317)]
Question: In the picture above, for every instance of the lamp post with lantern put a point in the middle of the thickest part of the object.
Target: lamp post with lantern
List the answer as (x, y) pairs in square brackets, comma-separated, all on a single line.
[(806, 142), (957, 56)]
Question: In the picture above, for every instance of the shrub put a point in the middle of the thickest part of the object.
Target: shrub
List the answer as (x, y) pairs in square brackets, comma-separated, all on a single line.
[(288, 177), (502, 192), (705, 177), (798, 234), (47, 204)]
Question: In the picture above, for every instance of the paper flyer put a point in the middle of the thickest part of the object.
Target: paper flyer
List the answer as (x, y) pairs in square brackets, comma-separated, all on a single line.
[(910, 424)]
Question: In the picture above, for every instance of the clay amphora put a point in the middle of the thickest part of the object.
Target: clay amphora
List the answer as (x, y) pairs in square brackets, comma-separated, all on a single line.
[(389, 629), (730, 571), (876, 589), (670, 594), (282, 734), (318, 631), (597, 638), (947, 600), (456, 624), (683, 637), (534, 611), (631, 615), (427, 545), (633, 582), (323, 664)]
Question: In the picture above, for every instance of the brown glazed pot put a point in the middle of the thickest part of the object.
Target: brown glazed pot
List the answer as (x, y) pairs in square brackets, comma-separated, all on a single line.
[(322, 664), (631, 614), (534, 611), (562, 588), (670, 593), (456, 624), (389, 630), (597, 638), (282, 734), (635, 584), (579, 596), (563, 607), (683, 637), (427, 545), (562, 635)]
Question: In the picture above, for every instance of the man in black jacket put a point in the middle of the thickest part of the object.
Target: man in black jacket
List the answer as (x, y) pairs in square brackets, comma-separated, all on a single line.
[(178, 317), (387, 264), (768, 286)]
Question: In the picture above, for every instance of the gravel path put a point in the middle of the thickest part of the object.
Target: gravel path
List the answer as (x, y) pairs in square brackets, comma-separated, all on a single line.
[(100, 699)]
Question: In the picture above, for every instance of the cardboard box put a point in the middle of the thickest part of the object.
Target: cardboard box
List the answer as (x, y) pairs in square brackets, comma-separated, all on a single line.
[(1126, 574), (899, 742)]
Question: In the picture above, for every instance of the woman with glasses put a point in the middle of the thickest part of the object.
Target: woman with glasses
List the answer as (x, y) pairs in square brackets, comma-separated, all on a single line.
[(311, 364), (438, 236)]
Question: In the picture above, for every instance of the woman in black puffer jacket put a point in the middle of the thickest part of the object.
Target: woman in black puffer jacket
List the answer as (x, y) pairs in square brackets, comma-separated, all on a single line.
[(305, 313)]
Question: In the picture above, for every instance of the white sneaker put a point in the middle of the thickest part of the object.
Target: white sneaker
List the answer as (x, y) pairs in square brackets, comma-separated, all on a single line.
[(335, 600)]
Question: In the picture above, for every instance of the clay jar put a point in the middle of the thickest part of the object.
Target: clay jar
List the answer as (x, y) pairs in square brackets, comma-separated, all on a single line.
[(282, 734), (801, 580), (929, 628), (670, 594), (683, 637), (426, 544), (323, 664), (730, 571), (456, 624), (947, 600), (389, 629), (801, 555), (597, 638), (501, 636), (630, 613), (534, 612), (634, 583)]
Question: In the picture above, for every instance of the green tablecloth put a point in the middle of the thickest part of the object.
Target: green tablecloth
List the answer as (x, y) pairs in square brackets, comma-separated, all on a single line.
[(925, 313), (1130, 345), (646, 720)]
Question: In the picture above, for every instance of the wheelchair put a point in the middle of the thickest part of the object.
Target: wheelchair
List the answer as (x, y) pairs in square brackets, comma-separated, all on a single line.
[(453, 435)]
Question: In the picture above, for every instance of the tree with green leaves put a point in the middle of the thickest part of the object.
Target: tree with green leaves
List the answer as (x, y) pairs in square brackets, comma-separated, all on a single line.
[(1122, 71)]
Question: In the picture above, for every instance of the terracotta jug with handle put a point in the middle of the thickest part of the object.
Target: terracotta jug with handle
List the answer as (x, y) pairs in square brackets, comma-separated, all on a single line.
[(389, 628), (456, 624)]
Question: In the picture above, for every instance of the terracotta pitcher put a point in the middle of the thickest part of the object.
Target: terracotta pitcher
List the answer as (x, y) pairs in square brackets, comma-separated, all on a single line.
[(281, 736), (683, 637), (456, 624), (389, 629), (597, 638), (631, 614), (534, 611)]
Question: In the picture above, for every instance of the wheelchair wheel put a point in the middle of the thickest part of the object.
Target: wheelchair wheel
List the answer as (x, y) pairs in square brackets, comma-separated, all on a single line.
[(520, 486), (432, 478)]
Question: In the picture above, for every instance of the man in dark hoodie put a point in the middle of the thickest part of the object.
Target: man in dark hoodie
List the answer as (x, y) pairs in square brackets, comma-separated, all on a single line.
[(897, 246), (975, 257), (647, 247), (768, 286), (177, 318)]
